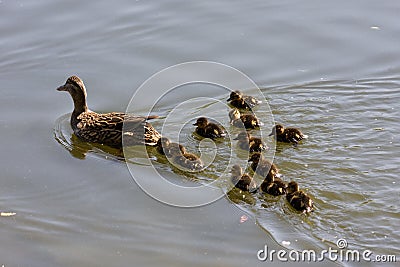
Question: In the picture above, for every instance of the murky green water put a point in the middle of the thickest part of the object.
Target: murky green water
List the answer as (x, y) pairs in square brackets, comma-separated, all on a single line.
[(331, 69)]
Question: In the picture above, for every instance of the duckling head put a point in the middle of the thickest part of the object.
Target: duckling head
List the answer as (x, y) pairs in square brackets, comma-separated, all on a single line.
[(163, 142), (277, 129), (235, 95), (236, 170), (292, 187), (269, 178), (201, 122), (75, 87), (242, 136), (234, 115), (255, 157)]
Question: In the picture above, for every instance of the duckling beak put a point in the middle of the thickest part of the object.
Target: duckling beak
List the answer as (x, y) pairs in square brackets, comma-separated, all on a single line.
[(229, 99), (62, 88), (272, 133), (237, 138), (195, 124)]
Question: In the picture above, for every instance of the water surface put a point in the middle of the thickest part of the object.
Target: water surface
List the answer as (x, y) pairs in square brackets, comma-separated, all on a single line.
[(330, 68)]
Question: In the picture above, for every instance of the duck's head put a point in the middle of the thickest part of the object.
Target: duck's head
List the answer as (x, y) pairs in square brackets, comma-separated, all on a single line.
[(292, 187), (242, 136), (236, 170), (74, 85), (255, 157), (234, 114), (235, 95), (277, 129), (201, 122)]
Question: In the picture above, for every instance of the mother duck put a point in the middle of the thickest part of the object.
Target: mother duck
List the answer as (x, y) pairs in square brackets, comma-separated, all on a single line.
[(106, 128)]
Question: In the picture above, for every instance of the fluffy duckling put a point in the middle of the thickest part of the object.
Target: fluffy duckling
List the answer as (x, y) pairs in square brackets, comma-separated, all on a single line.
[(287, 135), (249, 121), (273, 186), (298, 199), (241, 180), (106, 128), (209, 129), (238, 100), (186, 160), (250, 143), (262, 166), (178, 154), (166, 147)]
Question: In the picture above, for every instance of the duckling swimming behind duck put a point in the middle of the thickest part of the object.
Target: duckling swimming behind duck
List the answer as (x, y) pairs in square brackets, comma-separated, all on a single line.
[(287, 135), (188, 161), (166, 147), (238, 100), (298, 199), (177, 153), (106, 128), (262, 166), (243, 181), (273, 186), (250, 143), (209, 129), (249, 121)]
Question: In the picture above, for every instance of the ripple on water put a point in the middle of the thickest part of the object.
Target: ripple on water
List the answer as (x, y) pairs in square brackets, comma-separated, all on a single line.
[(346, 165)]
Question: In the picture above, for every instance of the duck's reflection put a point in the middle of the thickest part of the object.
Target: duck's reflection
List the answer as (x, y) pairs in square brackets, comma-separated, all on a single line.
[(79, 149)]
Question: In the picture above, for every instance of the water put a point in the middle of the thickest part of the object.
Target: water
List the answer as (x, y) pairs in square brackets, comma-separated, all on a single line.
[(331, 69)]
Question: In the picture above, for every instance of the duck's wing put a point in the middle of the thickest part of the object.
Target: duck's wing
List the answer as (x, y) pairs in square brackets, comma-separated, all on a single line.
[(107, 127), (110, 121)]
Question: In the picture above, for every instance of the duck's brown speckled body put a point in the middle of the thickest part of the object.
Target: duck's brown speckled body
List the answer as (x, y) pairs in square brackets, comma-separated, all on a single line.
[(243, 181), (106, 128), (209, 129), (262, 166), (287, 135), (298, 199), (250, 143), (248, 121), (238, 100)]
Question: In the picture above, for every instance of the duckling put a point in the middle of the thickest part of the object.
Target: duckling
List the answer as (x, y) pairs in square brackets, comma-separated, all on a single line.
[(262, 166), (273, 186), (106, 128), (186, 160), (209, 129), (166, 147), (250, 143), (249, 121), (298, 199), (239, 100), (241, 180), (287, 135)]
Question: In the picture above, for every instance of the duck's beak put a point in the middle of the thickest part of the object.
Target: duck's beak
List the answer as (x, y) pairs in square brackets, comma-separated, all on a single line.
[(237, 138), (195, 124), (229, 99), (272, 133), (62, 88)]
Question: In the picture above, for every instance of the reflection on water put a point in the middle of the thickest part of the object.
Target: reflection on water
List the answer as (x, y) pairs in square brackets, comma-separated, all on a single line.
[(330, 68), (79, 149), (327, 166)]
